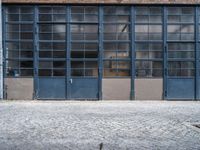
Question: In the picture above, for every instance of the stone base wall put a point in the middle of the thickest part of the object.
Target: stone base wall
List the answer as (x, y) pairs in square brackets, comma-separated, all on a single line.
[(116, 89), (148, 89), (19, 88)]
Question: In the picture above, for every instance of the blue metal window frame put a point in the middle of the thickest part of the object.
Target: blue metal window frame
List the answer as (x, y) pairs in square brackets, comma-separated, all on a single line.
[(166, 55), (84, 41), (17, 41), (150, 41), (180, 41), (130, 23), (100, 61), (197, 53)]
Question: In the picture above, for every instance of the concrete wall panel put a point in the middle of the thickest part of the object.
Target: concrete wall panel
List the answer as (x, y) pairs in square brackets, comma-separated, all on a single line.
[(19, 88), (148, 89), (116, 89)]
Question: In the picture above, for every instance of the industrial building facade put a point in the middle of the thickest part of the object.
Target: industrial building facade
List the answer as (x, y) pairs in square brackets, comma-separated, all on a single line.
[(100, 51)]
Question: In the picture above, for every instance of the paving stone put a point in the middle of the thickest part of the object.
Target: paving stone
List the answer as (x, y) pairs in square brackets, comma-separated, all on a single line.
[(84, 125)]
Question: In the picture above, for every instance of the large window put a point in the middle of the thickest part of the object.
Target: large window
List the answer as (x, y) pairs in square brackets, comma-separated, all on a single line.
[(19, 41), (180, 37), (45, 36), (52, 41), (84, 41), (148, 41), (116, 41)]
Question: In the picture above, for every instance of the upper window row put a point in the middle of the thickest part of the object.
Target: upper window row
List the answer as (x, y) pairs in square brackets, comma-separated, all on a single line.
[(111, 14)]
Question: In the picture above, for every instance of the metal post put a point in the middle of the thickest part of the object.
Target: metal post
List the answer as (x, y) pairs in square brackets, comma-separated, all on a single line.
[(36, 49), (165, 71), (68, 49), (132, 94), (100, 61), (196, 54), (1, 56)]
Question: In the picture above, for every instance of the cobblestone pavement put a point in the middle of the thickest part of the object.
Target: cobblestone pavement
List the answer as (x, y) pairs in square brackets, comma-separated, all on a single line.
[(85, 125)]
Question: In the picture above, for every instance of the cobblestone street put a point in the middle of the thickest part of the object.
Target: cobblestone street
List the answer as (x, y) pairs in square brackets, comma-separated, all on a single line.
[(32, 125)]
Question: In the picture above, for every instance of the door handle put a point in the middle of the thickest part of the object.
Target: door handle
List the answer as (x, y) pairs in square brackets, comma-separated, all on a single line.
[(71, 81)]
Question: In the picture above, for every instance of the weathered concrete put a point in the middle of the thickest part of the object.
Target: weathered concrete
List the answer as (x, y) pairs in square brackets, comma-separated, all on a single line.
[(107, 1), (19, 88), (148, 89), (84, 125), (116, 89)]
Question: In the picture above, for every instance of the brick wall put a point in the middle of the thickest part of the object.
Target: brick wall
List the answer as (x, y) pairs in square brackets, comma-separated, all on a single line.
[(107, 1)]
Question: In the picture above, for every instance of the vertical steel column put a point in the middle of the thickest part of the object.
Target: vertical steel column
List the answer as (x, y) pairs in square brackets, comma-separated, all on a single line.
[(197, 59), (68, 51), (1, 55), (36, 51), (100, 55), (132, 46), (165, 69)]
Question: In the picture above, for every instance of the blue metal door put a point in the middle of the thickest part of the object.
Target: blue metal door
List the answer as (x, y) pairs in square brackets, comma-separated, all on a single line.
[(84, 53), (84, 88), (180, 53), (51, 52), (51, 88)]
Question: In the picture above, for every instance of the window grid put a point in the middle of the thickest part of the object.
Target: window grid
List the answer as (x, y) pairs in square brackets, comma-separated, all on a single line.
[(84, 32), (116, 41), (180, 38), (148, 42), (84, 25), (52, 41), (19, 41)]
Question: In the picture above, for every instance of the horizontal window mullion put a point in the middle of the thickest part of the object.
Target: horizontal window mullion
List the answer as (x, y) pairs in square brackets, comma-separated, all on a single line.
[(148, 59), (19, 40), (117, 23), (181, 77), (117, 59), (50, 22), (92, 14), (84, 41), (19, 22), (51, 13), (18, 59), (82, 33), (148, 23), (84, 22), (19, 31), (52, 41), (180, 41), (116, 41), (84, 59), (51, 59), (180, 59), (181, 23)]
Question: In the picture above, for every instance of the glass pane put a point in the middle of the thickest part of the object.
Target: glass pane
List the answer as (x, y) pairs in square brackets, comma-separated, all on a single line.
[(58, 72), (77, 72), (26, 54), (26, 17), (59, 64), (45, 64), (12, 17), (45, 72), (77, 64), (26, 72), (142, 19), (26, 64), (59, 18), (45, 17), (45, 10)]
